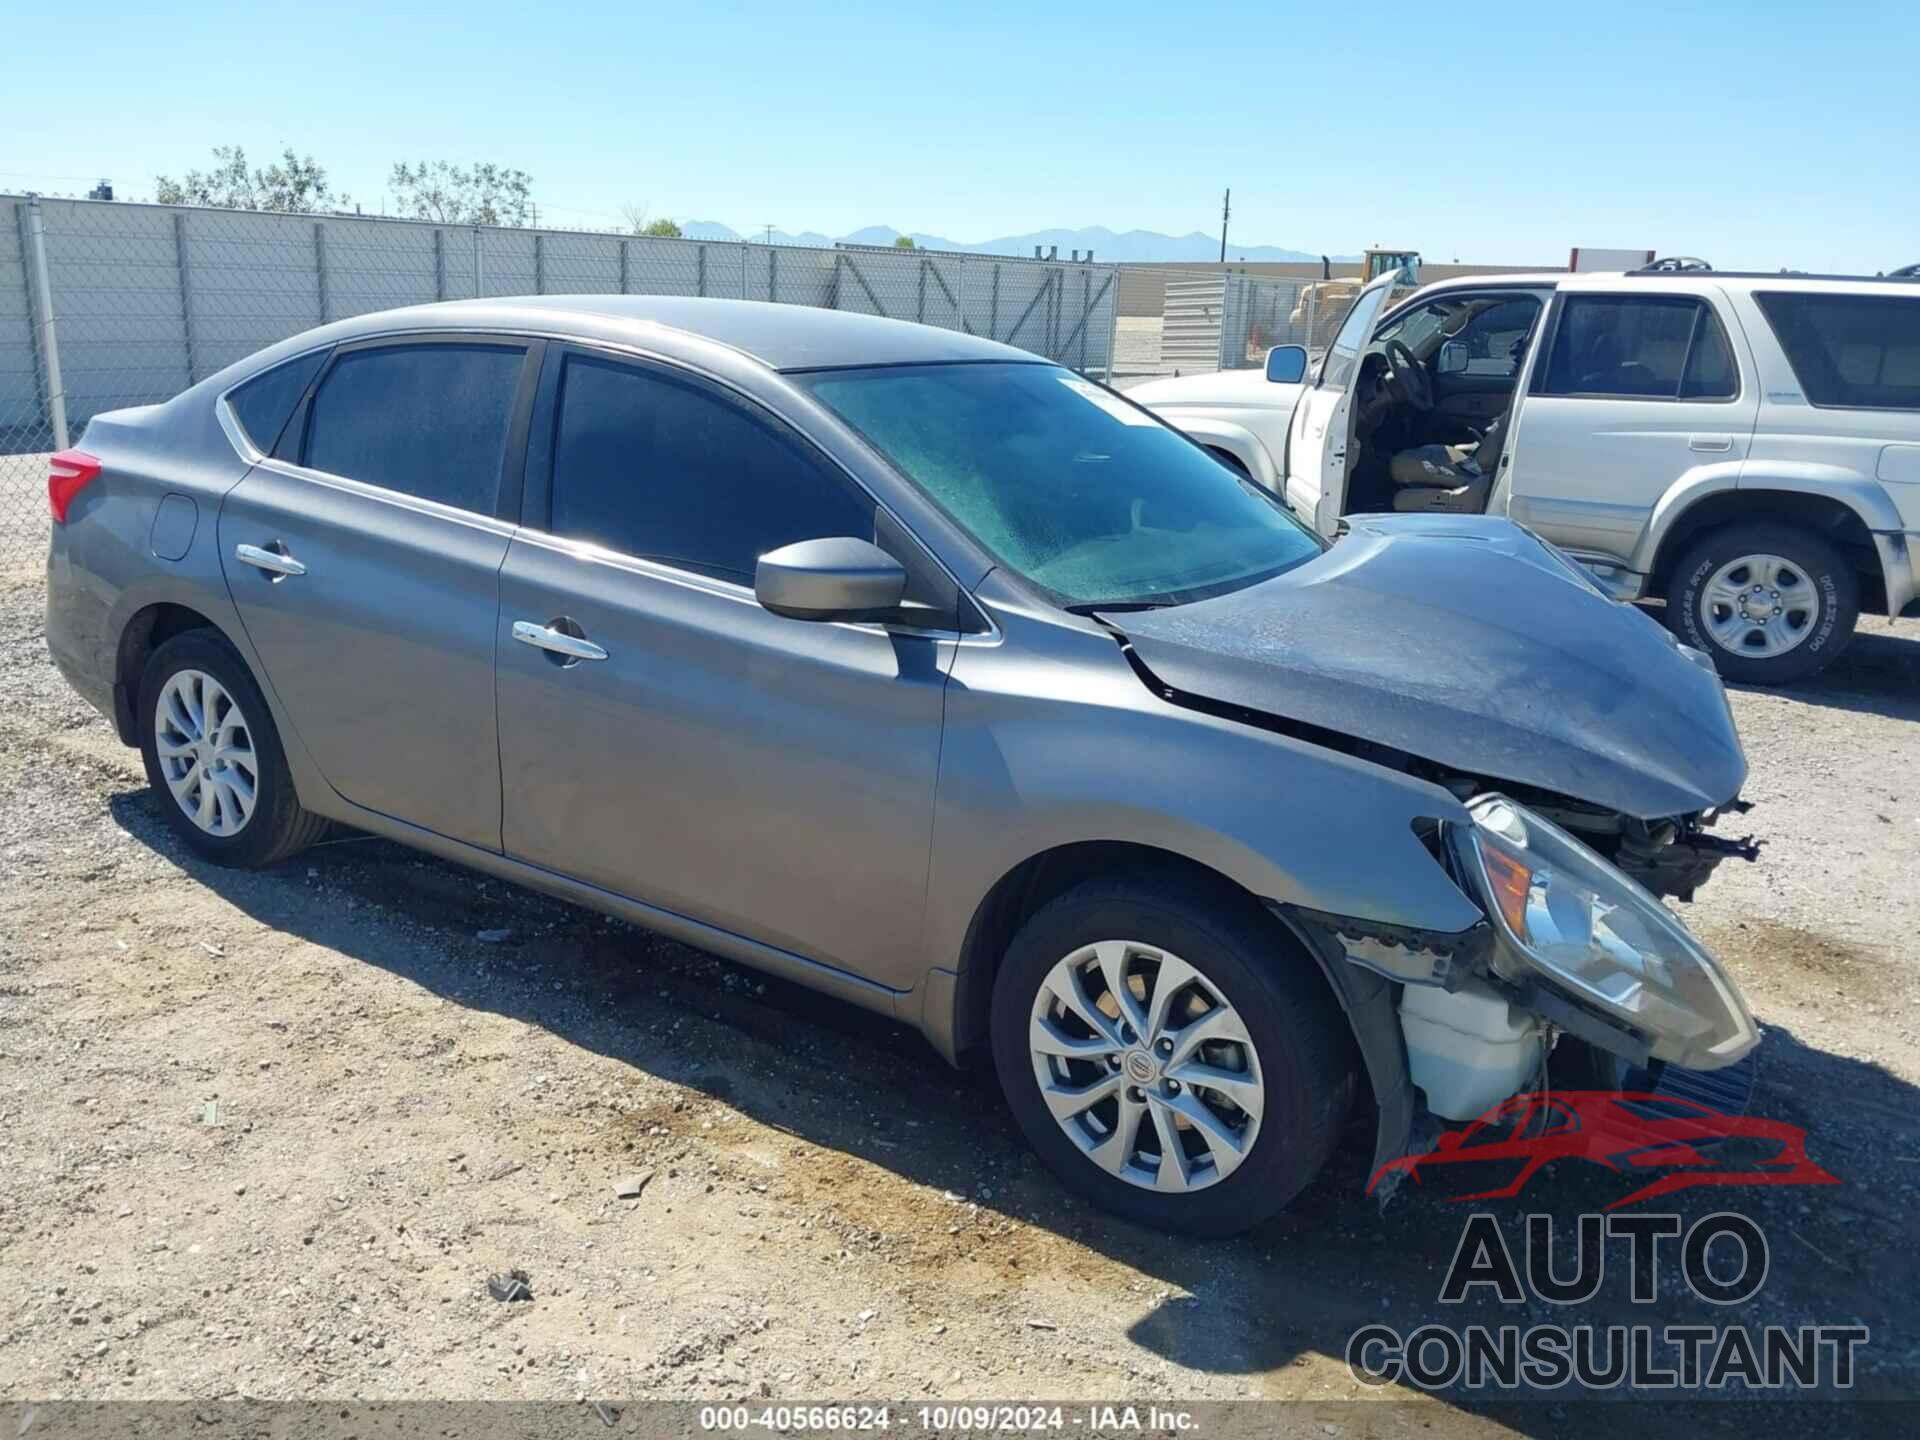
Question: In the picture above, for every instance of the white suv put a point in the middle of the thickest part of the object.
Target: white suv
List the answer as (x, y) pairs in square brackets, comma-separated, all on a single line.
[(1745, 448)]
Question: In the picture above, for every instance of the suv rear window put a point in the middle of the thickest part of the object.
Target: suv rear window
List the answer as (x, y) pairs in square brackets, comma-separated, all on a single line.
[(1850, 351), (263, 404), (427, 420), (1641, 347)]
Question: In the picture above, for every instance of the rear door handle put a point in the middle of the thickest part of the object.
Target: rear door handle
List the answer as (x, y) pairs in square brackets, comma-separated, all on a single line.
[(1713, 444), (275, 562), (545, 637)]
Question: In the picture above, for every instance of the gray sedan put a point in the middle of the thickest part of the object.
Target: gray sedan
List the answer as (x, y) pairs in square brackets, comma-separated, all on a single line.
[(911, 667)]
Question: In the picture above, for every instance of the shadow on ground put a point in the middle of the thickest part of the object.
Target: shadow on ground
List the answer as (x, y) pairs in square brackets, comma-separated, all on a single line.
[(1301, 1284), (1879, 675)]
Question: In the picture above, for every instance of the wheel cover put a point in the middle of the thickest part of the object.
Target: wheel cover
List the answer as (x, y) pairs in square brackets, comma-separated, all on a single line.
[(1759, 606), (1146, 1067), (205, 748)]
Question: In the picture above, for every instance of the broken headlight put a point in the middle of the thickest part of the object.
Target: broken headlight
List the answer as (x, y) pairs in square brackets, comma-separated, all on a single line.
[(1571, 918)]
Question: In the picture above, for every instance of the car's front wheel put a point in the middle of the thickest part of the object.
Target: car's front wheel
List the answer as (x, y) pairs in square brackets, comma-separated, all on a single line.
[(1168, 1055), (213, 755), (1770, 604)]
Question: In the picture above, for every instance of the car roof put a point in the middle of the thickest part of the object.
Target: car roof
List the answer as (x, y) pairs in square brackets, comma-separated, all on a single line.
[(782, 337)]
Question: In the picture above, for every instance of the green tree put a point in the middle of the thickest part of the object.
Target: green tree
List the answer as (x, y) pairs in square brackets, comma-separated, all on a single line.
[(293, 184), (479, 194), (662, 226), (904, 242)]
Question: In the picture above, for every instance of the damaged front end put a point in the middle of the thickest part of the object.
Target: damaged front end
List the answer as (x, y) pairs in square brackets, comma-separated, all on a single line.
[(1568, 948), (1671, 856)]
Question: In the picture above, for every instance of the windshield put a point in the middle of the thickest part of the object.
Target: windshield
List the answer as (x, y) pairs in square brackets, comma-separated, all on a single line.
[(1068, 485)]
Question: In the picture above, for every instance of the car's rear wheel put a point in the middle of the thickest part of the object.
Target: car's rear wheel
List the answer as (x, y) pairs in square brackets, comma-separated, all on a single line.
[(1170, 1058), (1768, 603), (213, 755)]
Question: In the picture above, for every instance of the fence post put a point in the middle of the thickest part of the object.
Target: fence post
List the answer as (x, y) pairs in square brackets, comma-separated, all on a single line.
[(1086, 314), (1113, 327), (439, 264), (320, 265), (920, 304), (478, 288), (186, 288), (700, 271), (623, 267), (539, 263), (773, 276), (40, 296), (993, 310)]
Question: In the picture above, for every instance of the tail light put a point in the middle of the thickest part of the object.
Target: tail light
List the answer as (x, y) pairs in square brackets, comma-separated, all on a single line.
[(67, 475)]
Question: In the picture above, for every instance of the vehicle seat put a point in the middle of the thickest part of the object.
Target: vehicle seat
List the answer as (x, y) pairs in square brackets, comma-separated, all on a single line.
[(1448, 467), (1467, 499)]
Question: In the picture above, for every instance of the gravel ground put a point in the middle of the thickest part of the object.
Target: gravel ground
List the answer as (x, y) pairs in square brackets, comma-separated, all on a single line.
[(268, 1134)]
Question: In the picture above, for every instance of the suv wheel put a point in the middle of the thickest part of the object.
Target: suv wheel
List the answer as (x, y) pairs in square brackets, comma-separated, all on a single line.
[(1770, 604), (1171, 1061), (213, 756)]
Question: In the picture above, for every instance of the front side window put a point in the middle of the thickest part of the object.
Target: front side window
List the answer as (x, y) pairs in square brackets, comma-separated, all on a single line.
[(427, 420), (668, 471), (1067, 484), (263, 403), (1640, 347), (1496, 337), (1856, 351), (1338, 367)]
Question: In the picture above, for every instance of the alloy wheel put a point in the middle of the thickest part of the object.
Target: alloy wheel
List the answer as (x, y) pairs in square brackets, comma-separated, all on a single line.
[(205, 749), (1759, 606), (1146, 1066)]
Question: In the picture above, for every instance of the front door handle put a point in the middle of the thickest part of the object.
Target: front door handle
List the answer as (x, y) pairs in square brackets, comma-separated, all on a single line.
[(276, 563), (545, 637), (1712, 444)]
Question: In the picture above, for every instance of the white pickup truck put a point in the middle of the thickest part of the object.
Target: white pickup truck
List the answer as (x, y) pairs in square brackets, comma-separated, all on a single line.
[(1744, 448)]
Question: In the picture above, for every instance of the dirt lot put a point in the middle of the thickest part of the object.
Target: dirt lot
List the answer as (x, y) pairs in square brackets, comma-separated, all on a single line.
[(267, 1134)]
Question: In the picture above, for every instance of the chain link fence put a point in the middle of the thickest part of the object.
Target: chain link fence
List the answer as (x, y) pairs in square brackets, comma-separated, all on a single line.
[(1185, 320), (106, 304)]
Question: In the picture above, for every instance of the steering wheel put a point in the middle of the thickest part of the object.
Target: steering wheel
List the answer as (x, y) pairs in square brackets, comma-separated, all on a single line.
[(1407, 377)]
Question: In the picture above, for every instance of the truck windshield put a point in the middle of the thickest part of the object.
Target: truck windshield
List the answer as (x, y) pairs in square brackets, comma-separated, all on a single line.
[(1084, 494)]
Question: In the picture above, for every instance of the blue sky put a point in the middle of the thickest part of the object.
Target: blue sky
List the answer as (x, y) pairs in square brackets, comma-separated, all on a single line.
[(1756, 134)]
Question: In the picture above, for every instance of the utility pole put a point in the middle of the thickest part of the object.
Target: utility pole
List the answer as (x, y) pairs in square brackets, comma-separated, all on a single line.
[(769, 232), (1226, 209)]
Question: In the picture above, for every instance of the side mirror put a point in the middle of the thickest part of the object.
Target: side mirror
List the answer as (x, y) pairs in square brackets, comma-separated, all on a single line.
[(836, 579), (1454, 356), (1287, 364)]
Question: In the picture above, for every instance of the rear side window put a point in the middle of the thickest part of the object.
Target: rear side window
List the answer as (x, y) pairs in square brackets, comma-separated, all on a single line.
[(425, 420), (670, 472), (1851, 351), (1641, 347), (263, 404)]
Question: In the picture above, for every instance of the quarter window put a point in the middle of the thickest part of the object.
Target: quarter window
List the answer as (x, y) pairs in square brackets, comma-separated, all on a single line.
[(667, 471), (426, 420), (263, 404), (1641, 347), (1858, 351)]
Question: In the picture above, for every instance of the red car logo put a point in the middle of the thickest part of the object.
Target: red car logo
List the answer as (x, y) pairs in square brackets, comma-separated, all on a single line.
[(1630, 1132)]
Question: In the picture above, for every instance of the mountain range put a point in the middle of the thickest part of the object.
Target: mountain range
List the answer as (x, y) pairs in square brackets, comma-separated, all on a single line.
[(1127, 247)]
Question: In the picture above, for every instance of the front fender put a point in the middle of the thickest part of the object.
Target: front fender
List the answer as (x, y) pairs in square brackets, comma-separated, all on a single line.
[(1237, 440), (1052, 740)]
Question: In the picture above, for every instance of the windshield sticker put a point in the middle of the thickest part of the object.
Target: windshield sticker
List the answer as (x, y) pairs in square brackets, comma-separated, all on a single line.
[(1112, 404)]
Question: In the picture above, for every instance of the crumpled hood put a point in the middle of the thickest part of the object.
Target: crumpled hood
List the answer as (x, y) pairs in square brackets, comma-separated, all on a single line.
[(1463, 640)]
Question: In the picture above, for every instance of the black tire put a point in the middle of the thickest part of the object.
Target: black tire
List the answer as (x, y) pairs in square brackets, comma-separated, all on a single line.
[(1822, 563), (1305, 1049), (1230, 460), (278, 826)]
